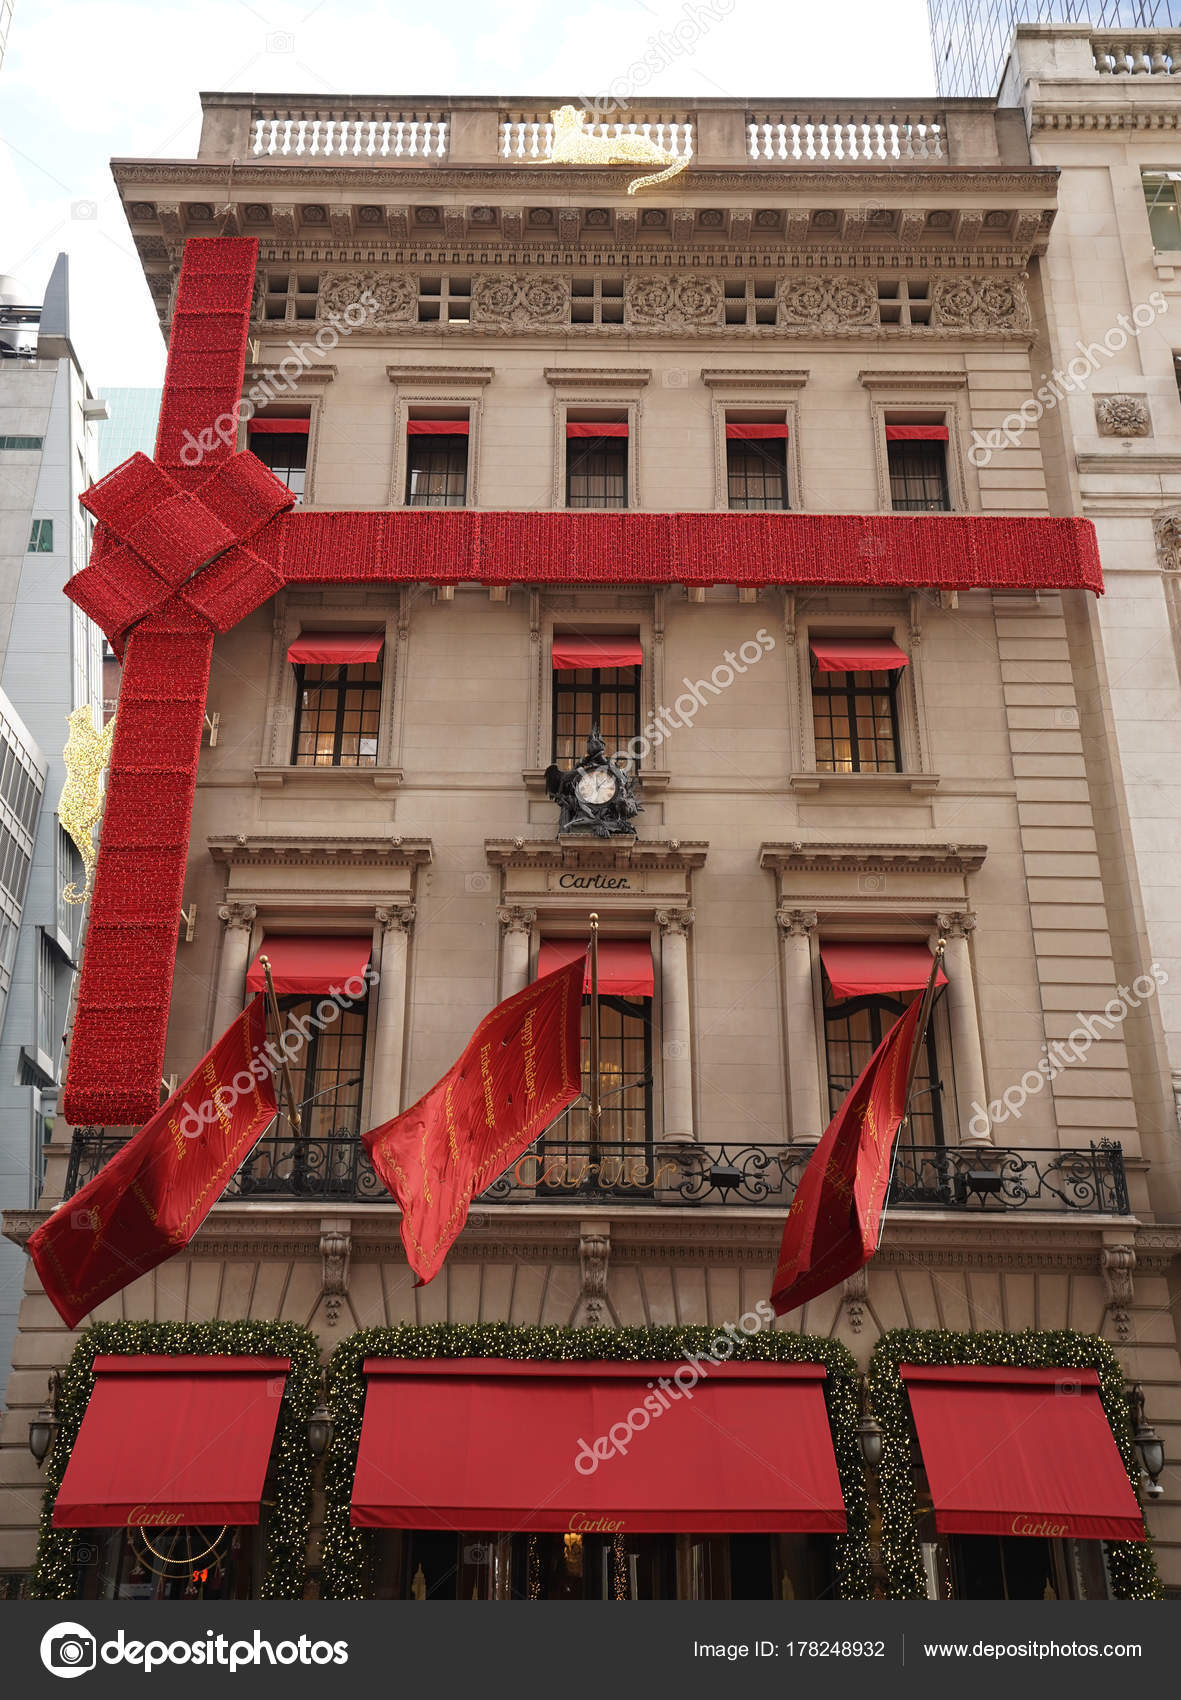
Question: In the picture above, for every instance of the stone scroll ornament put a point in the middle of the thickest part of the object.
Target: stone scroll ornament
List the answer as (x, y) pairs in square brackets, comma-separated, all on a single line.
[(191, 542)]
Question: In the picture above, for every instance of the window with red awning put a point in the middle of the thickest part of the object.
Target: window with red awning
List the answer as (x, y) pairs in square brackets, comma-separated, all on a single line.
[(172, 1440), (437, 427), (858, 655), (916, 433), (1021, 1452), (441, 1447), (740, 431), (861, 970), (625, 965), (576, 652), (306, 964), (332, 649)]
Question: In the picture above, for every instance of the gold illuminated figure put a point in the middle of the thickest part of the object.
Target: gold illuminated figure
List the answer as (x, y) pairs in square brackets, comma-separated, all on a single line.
[(86, 755), (574, 144)]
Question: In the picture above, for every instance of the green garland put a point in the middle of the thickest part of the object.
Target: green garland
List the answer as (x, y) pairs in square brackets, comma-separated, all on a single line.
[(287, 1527), (1131, 1563), (347, 1552)]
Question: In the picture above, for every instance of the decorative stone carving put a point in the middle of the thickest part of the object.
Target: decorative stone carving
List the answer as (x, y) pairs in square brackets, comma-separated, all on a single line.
[(594, 1254), (677, 921), (336, 1246), (238, 917), (514, 919), (827, 304), (854, 1296), (396, 294), (521, 301), (400, 916), (979, 304), (796, 923), (1123, 416), (956, 925), (673, 303), (1166, 528), (1118, 1263)]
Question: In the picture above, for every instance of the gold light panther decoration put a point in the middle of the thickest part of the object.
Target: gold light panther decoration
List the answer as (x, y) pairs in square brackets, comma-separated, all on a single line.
[(573, 144), (86, 755)]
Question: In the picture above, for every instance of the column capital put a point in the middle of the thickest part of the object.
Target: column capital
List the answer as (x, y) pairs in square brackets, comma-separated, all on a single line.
[(674, 922), (797, 923), (238, 917), (956, 925), (396, 916), (514, 919)]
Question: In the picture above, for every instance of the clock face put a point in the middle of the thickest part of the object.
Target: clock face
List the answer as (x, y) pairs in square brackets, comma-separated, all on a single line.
[(597, 786)]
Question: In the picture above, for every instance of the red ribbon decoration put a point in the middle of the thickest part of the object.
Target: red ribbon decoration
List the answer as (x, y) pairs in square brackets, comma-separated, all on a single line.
[(191, 542)]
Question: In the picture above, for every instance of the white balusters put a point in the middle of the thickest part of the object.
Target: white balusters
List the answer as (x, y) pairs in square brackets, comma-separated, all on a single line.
[(334, 135), (530, 136), (846, 137), (1139, 53)]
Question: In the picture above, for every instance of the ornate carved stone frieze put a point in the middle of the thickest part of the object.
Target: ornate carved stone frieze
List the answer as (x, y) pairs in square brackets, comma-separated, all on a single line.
[(653, 301), (827, 305), (396, 294), (521, 301), (979, 304), (1123, 416)]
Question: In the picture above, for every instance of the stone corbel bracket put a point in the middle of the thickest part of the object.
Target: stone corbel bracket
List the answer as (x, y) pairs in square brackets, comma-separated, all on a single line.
[(1118, 1266), (593, 1308), (336, 1248)]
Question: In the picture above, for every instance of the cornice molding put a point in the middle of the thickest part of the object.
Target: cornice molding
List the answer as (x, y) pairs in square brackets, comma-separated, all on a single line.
[(738, 377), (858, 858), (257, 370), (319, 850), (897, 379), (600, 377), (437, 375), (575, 853)]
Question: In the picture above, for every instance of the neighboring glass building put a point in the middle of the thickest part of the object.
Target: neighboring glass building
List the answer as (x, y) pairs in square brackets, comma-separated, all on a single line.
[(5, 24), (130, 425), (970, 38)]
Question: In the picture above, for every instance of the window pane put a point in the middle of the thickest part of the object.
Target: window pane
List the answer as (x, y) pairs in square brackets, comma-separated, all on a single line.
[(608, 697), (436, 474), (337, 716), (855, 722), (918, 476), (757, 473), (596, 474)]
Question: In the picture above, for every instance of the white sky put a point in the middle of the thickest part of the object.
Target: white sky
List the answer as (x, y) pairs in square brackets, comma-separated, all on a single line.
[(84, 81)]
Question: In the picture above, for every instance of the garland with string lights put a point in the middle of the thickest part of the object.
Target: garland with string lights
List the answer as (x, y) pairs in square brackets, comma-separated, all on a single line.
[(348, 1552), (1131, 1564), (54, 1575)]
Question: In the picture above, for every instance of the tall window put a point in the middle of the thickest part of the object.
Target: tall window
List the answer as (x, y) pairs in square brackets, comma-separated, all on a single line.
[(338, 709), (1164, 220), (625, 1127), (436, 463), (855, 716), (606, 697), (756, 464), (41, 537), (853, 1030), (282, 445), (918, 470), (48, 1038), (327, 1068), (596, 464)]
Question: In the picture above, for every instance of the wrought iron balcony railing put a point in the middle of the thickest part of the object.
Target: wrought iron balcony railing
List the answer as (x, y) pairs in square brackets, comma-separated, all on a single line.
[(336, 1167)]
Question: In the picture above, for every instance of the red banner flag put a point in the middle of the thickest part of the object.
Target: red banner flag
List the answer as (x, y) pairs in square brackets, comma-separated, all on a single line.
[(520, 1069), (832, 1227), (153, 1195)]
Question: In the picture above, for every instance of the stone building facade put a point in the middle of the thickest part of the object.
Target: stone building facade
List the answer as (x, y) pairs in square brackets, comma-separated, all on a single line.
[(825, 313)]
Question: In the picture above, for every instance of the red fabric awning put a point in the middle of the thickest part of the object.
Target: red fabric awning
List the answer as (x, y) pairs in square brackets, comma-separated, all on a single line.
[(1021, 1452), (597, 652), (295, 427), (306, 964), (437, 427), (858, 655), (625, 965), (595, 428), (330, 649), (751, 433), (171, 1441), (916, 433), (859, 970), (489, 1443)]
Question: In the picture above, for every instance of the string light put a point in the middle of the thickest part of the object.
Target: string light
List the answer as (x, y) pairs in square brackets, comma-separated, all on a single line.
[(1132, 1564), (81, 803), (285, 1572)]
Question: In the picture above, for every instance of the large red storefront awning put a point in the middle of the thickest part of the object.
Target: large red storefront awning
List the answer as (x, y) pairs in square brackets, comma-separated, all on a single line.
[(489, 1443), (172, 1441), (625, 965), (1021, 1452)]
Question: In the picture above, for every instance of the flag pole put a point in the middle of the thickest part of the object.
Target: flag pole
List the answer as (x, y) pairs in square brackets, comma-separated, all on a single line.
[(264, 963), (916, 1051), (596, 1104)]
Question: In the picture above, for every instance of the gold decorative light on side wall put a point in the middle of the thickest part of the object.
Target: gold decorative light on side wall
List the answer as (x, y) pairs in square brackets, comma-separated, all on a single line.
[(574, 144), (86, 755)]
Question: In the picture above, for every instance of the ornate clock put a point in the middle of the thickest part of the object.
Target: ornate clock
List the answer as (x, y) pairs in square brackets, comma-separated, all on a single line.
[(596, 795)]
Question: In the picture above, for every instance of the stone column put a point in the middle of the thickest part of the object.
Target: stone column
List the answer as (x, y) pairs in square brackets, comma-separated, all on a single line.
[(239, 920), (964, 1025), (518, 927), (677, 1053), (385, 1096), (808, 1118)]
